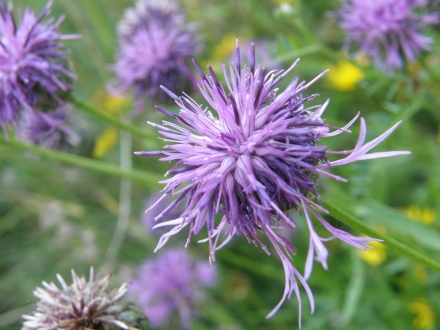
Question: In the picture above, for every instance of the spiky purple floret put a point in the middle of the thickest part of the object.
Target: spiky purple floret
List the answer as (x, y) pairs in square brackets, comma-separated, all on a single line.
[(386, 30), (155, 44), (255, 156), (49, 129), (172, 283), (32, 61)]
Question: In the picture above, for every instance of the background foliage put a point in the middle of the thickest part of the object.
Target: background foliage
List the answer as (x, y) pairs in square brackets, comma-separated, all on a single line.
[(54, 217)]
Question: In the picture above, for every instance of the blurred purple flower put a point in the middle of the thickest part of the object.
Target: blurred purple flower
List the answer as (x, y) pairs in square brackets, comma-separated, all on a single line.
[(32, 61), (384, 29), (255, 156), (171, 283), (49, 129), (155, 44)]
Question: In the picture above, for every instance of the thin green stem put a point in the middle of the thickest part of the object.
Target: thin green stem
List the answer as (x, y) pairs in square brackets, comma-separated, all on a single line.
[(292, 55), (354, 223), (145, 178), (124, 201), (113, 120)]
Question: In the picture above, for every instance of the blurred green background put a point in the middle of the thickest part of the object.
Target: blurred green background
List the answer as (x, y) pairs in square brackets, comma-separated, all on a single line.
[(54, 217)]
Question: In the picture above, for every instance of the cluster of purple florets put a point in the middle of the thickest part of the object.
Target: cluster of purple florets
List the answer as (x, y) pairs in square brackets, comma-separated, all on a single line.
[(388, 32), (156, 45), (33, 69)]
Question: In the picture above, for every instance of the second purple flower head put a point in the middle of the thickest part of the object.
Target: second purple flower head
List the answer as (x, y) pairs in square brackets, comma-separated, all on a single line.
[(155, 44), (33, 62)]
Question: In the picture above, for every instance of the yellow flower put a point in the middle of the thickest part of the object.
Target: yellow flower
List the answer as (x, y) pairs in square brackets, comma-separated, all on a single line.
[(280, 2), (374, 256), (223, 49), (344, 76), (424, 313), (110, 103), (417, 214), (105, 142)]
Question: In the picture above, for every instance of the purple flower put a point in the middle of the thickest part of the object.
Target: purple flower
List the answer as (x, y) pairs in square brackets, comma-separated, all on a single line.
[(49, 129), (32, 62), (155, 46), (384, 29), (253, 154), (171, 283)]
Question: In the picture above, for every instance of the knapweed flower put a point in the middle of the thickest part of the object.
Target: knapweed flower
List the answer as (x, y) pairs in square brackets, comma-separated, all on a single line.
[(155, 44), (32, 62), (386, 30), (172, 283), (49, 129), (84, 304), (251, 155)]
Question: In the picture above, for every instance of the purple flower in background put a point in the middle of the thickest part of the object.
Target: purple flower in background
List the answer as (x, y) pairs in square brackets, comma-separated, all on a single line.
[(251, 155), (155, 44), (172, 283), (32, 62), (49, 129), (384, 29)]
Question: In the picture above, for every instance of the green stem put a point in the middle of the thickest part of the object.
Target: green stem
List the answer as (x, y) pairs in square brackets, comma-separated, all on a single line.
[(292, 55), (113, 120), (354, 223), (145, 178)]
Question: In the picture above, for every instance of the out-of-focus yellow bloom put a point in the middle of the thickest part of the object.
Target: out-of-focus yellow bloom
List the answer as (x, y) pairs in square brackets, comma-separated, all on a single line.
[(424, 313), (280, 2), (344, 76), (417, 214), (105, 142), (223, 49), (374, 256), (110, 103), (115, 104)]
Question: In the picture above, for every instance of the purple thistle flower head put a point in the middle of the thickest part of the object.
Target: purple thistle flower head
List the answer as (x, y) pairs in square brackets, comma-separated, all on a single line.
[(386, 30), (49, 129), (32, 62), (251, 155), (172, 283), (155, 46)]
